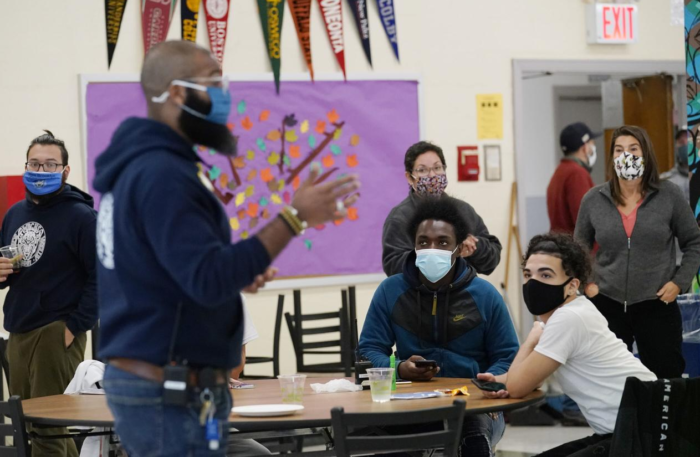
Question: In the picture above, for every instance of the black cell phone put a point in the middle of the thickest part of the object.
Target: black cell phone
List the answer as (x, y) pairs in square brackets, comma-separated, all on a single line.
[(425, 363), (488, 386)]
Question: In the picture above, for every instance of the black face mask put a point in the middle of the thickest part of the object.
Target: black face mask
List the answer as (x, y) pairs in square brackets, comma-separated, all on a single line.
[(542, 298), (205, 133)]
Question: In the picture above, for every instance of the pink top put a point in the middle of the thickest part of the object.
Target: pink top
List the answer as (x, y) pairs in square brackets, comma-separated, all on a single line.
[(629, 220)]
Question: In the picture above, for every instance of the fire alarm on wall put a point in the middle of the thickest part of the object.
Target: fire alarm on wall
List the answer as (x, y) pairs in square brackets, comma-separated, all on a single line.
[(467, 163)]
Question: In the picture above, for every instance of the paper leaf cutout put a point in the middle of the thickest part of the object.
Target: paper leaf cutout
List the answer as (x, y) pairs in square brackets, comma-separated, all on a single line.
[(355, 140), (249, 191), (304, 127), (230, 125), (287, 198), (287, 161), (308, 244), (333, 116), (273, 158), (265, 213), (295, 151), (231, 186), (261, 144), (235, 224), (252, 209), (214, 172), (296, 182), (291, 136), (352, 160), (266, 175), (280, 185), (250, 154), (337, 222), (273, 185), (274, 135), (352, 213), (320, 127), (328, 161), (264, 115), (240, 198), (239, 162), (338, 133), (212, 152), (223, 180), (335, 149), (253, 223), (312, 141), (246, 123), (241, 107), (251, 176), (264, 202), (276, 199), (244, 235), (241, 214), (320, 227)]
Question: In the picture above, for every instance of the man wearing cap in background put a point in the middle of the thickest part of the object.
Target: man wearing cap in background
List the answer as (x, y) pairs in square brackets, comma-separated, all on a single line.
[(572, 178)]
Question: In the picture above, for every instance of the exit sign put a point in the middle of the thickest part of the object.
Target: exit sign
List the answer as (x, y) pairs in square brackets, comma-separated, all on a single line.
[(612, 23)]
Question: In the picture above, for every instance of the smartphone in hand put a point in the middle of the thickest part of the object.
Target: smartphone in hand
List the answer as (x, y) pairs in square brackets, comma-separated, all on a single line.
[(488, 386), (425, 364)]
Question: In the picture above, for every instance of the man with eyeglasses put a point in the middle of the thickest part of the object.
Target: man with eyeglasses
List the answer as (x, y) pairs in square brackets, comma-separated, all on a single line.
[(52, 297), (169, 278), (425, 172)]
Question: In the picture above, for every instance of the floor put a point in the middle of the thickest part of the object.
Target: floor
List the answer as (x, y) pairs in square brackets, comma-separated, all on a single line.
[(529, 441)]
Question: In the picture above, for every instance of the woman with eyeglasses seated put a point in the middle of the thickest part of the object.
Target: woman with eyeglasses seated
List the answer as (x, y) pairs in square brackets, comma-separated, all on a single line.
[(425, 173)]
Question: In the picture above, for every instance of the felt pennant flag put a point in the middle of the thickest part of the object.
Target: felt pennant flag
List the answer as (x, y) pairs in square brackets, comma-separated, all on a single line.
[(155, 21), (359, 11), (216, 12), (301, 13), (386, 12), (271, 16), (332, 11), (189, 14), (114, 12)]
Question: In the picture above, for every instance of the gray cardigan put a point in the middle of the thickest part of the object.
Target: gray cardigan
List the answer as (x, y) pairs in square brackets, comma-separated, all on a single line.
[(632, 270), (397, 243)]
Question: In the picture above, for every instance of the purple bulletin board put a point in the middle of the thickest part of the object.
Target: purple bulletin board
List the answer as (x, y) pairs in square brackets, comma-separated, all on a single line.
[(361, 127)]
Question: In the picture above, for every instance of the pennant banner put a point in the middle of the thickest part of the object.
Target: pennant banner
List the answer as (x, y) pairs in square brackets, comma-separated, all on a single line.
[(189, 14), (332, 12), (301, 13), (359, 11), (155, 21), (216, 12), (271, 16), (386, 12), (114, 12)]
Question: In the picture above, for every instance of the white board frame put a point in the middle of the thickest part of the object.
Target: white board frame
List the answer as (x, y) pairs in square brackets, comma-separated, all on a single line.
[(283, 284)]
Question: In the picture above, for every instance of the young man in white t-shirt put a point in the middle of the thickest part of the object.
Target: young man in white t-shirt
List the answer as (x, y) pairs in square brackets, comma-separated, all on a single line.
[(572, 340)]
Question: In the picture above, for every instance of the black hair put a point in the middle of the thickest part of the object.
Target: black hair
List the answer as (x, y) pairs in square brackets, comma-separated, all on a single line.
[(48, 139), (575, 259), (681, 133), (418, 149), (444, 208)]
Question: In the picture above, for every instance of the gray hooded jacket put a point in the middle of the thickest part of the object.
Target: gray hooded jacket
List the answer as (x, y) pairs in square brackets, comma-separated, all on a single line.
[(632, 270)]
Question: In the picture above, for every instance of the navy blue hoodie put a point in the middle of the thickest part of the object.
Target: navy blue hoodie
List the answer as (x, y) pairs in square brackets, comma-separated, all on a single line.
[(164, 242), (57, 281)]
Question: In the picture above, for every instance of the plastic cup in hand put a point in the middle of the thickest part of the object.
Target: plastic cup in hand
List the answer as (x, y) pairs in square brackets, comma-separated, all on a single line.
[(380, 383), (12, 253), (292, 386)]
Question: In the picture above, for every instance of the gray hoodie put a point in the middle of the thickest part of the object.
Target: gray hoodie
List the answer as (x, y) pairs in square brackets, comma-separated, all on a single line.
[(397, 243), (632, 270)]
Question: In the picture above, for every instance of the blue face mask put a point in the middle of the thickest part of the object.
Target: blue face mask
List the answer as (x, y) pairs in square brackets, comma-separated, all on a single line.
[(220, 99), (434, 263), (42, 183)]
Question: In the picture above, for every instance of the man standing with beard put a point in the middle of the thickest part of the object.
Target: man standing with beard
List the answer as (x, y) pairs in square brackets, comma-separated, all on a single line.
[(52, 298), (169, 277)]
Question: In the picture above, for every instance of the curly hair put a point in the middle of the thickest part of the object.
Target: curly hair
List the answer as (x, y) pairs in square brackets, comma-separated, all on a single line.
[(444, 208), (575, 259)]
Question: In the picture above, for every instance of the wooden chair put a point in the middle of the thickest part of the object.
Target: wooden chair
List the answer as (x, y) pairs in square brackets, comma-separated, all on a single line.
[(275, 359), (15, 429), (447, 439), (341, 346)]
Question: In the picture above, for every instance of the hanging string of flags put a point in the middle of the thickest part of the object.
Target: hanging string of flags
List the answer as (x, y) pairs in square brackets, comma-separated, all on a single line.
[(156, 16)]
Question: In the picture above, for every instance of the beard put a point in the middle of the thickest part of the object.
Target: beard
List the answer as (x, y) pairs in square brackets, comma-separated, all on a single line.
[(203, 132), (41, 199)]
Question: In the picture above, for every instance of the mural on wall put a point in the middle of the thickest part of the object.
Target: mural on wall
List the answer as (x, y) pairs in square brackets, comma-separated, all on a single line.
[(361, 128), (692, 60)]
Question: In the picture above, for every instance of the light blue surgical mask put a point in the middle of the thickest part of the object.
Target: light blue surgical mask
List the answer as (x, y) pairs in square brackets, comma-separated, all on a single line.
[(434, 263), (40, 183), (219, 95)]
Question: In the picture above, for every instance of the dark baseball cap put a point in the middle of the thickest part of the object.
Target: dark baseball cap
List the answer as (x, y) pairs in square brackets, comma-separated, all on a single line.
[(574, 136)]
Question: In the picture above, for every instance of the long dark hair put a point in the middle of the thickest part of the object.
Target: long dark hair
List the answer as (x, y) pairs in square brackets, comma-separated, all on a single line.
[(650, 178)]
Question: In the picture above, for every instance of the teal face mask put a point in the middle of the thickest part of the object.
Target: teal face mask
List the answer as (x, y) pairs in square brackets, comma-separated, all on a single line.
[(434, 263)]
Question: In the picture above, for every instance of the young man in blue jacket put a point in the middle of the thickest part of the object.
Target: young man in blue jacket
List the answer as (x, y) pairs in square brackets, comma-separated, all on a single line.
[(52, 297), (438, 309), (169, 277)]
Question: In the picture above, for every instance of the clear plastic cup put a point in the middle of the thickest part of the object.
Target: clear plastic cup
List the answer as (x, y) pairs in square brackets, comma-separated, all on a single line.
[(380, 383), (12, 253), (292, 386)]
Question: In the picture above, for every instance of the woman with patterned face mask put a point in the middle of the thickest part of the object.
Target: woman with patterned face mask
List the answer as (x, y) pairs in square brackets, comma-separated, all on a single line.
[(425, 171), (635, 218)]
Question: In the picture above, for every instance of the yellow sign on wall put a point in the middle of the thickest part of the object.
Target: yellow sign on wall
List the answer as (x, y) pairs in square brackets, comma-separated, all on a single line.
[(489, 116)]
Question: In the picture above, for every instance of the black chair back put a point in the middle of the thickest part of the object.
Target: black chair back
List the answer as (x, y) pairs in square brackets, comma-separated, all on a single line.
[(15, 429), (275, 359), (447, 439)]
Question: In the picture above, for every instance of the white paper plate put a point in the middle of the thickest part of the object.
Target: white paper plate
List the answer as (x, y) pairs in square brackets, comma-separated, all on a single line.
[(267, 410), (414, 396)]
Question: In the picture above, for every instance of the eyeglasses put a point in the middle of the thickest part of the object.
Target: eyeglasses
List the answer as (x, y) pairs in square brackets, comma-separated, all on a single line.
[(49, 167), (424, 171)]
